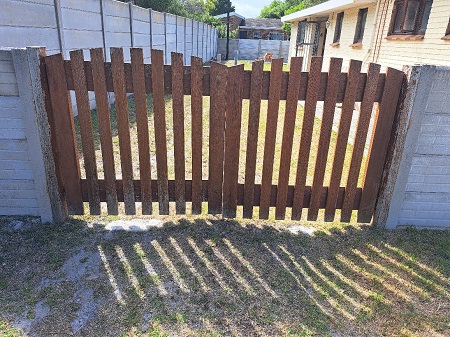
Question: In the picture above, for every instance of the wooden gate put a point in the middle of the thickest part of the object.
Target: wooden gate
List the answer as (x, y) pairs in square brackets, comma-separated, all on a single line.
[(226, 88)]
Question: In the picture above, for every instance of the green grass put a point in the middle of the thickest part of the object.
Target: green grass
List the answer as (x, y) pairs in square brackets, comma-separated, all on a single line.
[(7, 331), (230, 278), (248, 65)]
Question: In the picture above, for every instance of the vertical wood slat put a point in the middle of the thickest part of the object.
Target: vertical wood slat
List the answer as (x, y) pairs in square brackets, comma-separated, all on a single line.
[(178, 131), (217, 110), (379, 143), (123, 125), (342, 138), (159, 111), (140, 102), (270, 136), (197, 129), (329, 107), (232, 139), (104, 123), (360, 140), (64, 126), (52, 125), (252, 136), (288, 135), (87, 137), (309, 113)]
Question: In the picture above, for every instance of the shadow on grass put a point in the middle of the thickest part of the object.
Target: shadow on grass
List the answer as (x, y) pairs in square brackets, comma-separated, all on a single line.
[(222, 278)]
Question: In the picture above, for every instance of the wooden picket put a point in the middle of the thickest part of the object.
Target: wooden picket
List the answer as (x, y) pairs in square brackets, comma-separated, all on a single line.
[(226, 87)]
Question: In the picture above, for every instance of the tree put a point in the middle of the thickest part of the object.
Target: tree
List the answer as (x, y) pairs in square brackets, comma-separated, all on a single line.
[(169, 6), (274, 10), (279, 8), (194, 7), (217, 7)]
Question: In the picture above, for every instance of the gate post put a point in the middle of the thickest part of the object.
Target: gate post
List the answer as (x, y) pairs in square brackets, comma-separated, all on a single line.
[(404, 136), (27, 64)]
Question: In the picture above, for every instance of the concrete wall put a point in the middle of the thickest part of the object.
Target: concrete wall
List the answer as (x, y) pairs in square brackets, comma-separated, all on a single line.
[(65, 25), (253, 49), (421, 193), (29, 23), (27, 178)]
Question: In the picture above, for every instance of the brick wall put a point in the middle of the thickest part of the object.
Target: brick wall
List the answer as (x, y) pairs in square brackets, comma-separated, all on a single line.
[(422, 193), (234, 22)]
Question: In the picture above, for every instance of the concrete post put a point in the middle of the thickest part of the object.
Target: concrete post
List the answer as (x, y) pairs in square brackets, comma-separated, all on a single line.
[(27, 67), (408, 129), (102, 13), (130, 8), (150, 20), (166, 56), (184, 45), (59, 26)]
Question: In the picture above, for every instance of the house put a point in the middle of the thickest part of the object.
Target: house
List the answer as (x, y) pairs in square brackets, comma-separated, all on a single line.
[(262, 28), (235, 19), (255, 28), (392, 33)]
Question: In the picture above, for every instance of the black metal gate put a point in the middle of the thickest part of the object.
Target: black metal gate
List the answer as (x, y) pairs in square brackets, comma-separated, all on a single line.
[(307, 38)]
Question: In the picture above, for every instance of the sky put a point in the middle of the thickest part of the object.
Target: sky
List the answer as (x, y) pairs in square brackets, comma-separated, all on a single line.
[(249, 8)]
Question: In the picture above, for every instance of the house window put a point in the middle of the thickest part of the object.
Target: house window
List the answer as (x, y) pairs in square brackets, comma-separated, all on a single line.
[(360, 25), (257, 35), (338, 28), (276, 36), (410, 17)]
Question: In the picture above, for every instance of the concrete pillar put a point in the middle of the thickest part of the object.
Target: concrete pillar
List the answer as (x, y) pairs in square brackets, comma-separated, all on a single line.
[(400, 158), (27, 68)]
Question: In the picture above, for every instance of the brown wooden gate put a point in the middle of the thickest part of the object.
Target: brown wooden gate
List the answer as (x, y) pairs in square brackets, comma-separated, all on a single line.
[(227, 88)]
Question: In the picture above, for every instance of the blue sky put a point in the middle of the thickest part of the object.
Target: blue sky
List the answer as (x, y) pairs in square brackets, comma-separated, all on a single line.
[(249, 8)]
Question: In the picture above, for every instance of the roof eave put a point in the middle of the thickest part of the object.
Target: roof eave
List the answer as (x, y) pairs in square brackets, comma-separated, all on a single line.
[(328, 7)]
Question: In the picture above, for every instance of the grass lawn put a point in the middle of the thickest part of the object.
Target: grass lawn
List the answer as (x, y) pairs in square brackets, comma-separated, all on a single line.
[(248, 64), (203, 276)]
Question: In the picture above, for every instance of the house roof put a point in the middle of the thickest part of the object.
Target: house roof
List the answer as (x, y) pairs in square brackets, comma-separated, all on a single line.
[(324, 8), (262, 23), (224, 15)]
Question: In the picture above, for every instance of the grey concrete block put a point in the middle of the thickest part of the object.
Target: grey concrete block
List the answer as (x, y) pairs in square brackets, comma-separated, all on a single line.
[(25, 36), (25, 14), (140, 27), (78, 20), (116, 8), (139, 13), (83, 39)]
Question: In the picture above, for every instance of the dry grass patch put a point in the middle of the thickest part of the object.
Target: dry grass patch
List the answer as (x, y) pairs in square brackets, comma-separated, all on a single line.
[(209, 277)]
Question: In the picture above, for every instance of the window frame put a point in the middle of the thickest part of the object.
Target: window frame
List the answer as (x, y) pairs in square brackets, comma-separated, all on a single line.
[(447, 32), (419, 17), (338, 27), (276, 34), (257, 38), (360, 26)]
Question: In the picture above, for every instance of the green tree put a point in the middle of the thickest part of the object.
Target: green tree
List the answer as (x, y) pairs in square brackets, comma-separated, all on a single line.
[(169, 6), (279, 8), (274, 10), (217, 7)]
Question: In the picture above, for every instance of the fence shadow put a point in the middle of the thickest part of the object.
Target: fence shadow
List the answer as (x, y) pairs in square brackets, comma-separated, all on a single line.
[(216, 277)]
